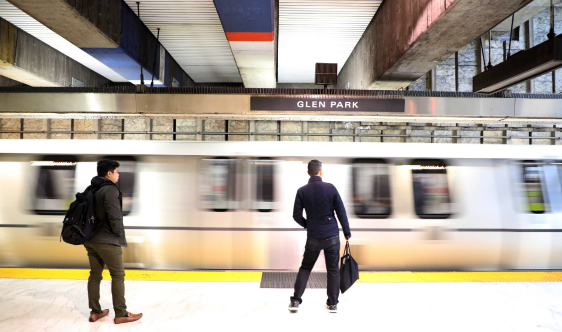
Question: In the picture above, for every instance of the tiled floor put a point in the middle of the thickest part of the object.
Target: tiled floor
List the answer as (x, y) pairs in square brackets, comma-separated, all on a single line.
[(61, 305)]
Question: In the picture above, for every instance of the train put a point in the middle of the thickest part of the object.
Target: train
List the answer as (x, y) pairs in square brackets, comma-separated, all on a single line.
[(228, 205)]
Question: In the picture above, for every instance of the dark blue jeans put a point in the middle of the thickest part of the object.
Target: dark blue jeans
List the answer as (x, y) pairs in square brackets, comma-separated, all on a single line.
[(331, 247)]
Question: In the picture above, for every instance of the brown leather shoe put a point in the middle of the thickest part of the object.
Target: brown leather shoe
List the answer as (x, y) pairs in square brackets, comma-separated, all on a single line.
[(95, 317), (127, 319)]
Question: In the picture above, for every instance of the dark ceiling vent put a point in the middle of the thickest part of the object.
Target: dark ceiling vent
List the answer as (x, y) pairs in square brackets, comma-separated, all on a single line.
[(520, 67), (326, 74)]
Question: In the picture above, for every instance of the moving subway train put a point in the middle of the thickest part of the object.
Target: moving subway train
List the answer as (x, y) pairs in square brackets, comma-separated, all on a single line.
[(228, 205)]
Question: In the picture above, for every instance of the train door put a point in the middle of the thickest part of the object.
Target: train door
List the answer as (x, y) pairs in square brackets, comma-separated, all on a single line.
[(381, 237), (282, 245), (15, 219), (433, 214), (528, 220), (221, 195), (52, 191), (473, 229), (553, 174)]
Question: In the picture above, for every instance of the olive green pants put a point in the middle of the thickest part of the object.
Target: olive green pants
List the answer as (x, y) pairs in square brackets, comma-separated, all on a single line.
[(111, 255)]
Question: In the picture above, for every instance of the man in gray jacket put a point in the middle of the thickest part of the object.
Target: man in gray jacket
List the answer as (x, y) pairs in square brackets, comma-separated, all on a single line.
[(105, 247)]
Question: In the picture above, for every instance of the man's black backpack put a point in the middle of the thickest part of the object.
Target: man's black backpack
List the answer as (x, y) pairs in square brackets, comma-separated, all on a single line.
[(79, 224)]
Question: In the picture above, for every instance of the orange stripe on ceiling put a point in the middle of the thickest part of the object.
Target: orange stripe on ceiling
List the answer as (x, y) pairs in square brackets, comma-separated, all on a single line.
[(249, 36)]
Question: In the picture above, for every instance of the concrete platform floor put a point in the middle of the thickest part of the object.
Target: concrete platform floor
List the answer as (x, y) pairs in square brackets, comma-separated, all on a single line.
[(62, 305)]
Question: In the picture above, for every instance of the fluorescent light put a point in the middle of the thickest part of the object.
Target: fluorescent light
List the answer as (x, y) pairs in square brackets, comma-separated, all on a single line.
[(53, 163)]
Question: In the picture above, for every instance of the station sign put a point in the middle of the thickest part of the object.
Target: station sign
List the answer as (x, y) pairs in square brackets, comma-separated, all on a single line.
[(327, 104)]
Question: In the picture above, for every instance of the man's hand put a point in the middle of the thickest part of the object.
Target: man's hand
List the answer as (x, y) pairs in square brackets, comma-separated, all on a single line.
[(347, 238)]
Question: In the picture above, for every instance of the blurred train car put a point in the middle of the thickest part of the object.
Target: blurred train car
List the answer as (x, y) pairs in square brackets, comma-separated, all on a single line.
[(228, 205)]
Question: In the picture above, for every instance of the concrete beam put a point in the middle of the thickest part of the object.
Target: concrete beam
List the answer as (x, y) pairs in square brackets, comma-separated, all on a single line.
[(85, 23), (392, 56), (26, 59), (250, 30), (4, 81), (108, 30)]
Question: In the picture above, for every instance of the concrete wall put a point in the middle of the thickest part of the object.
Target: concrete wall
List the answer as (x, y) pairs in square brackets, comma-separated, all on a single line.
[(395, 132)]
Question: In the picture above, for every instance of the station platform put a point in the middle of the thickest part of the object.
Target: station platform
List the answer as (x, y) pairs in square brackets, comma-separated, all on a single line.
[(56, 300)]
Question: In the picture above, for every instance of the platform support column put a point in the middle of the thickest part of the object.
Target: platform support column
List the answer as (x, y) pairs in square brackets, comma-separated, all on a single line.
[(305, 130), (199, 130)]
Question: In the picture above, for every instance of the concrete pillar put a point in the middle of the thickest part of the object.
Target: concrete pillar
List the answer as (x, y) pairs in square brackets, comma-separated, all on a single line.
[(96, 126), (428, 33), (199, 130), (252, 124), (305, 130)]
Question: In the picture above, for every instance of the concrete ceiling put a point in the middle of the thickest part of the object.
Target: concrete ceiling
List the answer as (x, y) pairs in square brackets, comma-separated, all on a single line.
[(192, 33), (313, 31)]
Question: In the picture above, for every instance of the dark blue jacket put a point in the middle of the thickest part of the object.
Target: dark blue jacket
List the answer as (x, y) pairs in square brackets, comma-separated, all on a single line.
[(320, 199)]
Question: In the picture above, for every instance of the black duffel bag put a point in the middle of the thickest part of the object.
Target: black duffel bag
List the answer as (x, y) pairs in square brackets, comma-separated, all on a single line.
[(349, 271)]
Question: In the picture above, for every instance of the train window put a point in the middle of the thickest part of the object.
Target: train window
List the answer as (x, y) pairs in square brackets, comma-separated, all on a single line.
[(532, 173), (431, 189), (263, 175), (54, 190), (126, 183), (219, 180), (371, 188)]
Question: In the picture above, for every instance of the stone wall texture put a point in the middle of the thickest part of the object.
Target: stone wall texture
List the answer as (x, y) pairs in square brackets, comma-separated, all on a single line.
[(216, 130)]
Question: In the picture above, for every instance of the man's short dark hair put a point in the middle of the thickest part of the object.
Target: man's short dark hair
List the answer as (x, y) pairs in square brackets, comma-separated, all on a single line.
[(314, 167), (106, 165)]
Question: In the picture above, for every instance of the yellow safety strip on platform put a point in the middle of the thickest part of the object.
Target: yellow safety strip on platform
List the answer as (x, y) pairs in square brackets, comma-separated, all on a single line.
[(204, 276), (523, 276), (217, 276)]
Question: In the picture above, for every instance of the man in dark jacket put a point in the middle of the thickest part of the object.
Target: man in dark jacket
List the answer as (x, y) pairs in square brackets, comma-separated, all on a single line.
[(319, 199), (105, 247)]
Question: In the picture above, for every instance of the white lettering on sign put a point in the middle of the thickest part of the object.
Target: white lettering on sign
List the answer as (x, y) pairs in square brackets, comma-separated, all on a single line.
[(322, 104)]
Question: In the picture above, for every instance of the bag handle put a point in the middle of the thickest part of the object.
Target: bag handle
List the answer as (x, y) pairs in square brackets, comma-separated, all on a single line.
[(347, 250)]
